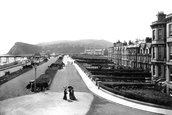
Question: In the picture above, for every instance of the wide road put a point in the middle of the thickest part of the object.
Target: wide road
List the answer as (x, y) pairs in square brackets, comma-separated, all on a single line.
[(16, 87), (100, 106)]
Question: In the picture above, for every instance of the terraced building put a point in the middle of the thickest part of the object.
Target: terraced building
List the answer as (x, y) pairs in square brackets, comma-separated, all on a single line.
[(169, 53), (154, 54), (158, 47), (134, 55)]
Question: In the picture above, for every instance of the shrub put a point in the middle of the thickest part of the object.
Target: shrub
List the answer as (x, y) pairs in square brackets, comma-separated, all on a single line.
[(146, 95)]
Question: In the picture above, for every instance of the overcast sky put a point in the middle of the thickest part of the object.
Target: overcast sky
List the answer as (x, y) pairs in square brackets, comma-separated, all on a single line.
[(35, 21)]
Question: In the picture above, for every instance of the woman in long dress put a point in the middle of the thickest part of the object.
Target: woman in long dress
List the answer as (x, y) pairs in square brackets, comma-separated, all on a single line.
[(70, 94), (73, 95), (65, 94)]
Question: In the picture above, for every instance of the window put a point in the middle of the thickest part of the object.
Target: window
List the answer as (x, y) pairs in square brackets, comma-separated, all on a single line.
[(160, 34), (147, 50), (170, 71), (153, 33), (160, 52), (153, 69), (141, 52), (170, 49), (153, 52), (170, 29), (159, 70)]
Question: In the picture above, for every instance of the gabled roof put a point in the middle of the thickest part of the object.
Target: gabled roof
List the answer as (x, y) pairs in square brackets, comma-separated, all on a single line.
[(148, 45), (143, 45)]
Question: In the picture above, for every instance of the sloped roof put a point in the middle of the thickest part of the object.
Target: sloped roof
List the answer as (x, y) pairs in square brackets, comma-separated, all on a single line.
[(148, 45), (142, 45)]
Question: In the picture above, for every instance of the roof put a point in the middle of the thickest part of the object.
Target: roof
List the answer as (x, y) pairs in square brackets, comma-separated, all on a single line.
[(148, 45)]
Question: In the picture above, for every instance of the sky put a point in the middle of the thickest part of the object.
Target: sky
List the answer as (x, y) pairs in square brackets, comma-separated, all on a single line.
[(37, 21)]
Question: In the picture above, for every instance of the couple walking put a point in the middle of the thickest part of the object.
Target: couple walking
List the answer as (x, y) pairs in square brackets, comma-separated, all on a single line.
[(71, 93)]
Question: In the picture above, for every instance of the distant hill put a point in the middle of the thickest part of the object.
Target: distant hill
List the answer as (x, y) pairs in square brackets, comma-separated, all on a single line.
[(24, 48), (64, 46), (90, 43), (53, 42)]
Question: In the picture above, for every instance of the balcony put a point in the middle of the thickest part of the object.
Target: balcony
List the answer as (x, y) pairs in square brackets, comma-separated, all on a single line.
[(159, 60), (158, 41)]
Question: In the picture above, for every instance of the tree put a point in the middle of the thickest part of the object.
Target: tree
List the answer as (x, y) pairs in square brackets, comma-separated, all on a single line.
[(124, 43), (118, 41), (130, 42), (148, 40)]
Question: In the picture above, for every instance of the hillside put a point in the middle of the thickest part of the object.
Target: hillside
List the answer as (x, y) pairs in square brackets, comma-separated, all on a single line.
[(65, 46), (86, 43), (24, 48)]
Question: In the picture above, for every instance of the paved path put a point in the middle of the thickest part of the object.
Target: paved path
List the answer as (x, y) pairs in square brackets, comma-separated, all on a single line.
[(51, 102), (100, 106), (68, 77)]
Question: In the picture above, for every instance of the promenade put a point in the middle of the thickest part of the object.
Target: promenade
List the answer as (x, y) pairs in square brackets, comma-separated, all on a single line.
[(90, 102)]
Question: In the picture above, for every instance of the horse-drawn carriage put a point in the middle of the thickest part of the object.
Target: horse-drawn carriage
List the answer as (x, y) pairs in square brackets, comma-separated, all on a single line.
[(60, 65), (40, 86), (42, 83)]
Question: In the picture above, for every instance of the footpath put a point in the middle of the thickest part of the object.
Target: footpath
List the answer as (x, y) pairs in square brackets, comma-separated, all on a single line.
[(126, 102)]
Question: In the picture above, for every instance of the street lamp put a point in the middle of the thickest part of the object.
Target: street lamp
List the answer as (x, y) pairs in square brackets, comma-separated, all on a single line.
[(35, 75)]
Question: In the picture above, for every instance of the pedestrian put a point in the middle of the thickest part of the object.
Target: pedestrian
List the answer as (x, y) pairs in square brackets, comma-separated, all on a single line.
[(72, 94), (65, 94)]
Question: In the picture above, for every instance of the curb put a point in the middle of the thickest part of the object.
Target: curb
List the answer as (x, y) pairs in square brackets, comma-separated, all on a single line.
[(91, 86)]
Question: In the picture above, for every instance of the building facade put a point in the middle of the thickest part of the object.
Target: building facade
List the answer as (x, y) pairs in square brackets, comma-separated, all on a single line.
[(135, 55), (169, 53), (110, 53), (153, 55), (162, 50), (158, 47), (117, 54), (93, 51)]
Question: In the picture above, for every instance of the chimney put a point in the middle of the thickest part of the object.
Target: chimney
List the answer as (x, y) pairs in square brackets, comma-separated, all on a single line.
[(161, 16)]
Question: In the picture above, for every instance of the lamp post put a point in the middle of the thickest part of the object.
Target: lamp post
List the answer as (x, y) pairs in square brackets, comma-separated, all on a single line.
[(35, 76)]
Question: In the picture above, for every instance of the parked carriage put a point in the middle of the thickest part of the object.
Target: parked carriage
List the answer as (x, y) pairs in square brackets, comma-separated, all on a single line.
[(40, 86)]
